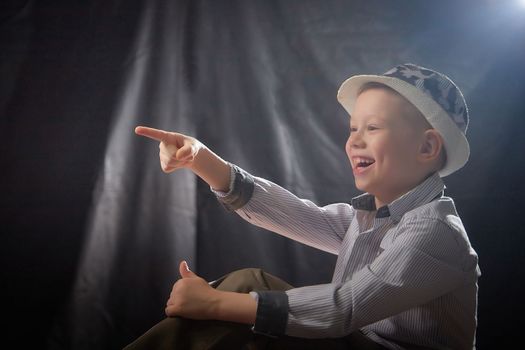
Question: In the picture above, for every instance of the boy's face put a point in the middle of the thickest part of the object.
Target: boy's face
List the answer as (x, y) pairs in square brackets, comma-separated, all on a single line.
[(384, 142)]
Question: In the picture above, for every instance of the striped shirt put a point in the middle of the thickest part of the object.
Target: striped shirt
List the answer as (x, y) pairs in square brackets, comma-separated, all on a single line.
[(405, 273)]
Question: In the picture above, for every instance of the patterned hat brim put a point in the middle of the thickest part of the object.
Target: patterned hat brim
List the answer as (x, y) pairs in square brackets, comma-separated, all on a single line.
[(455, 143)]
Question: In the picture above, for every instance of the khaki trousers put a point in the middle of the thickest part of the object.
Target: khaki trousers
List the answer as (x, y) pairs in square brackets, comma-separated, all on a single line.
[(180, 333)]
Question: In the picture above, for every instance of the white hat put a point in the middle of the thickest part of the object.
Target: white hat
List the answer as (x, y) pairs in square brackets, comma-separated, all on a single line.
[(434, 94)]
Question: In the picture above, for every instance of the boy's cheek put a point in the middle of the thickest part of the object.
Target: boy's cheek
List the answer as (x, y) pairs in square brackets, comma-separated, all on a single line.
[(348, 148)]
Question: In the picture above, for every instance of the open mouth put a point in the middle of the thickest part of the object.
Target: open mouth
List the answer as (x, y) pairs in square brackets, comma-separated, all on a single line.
[(361, 163)]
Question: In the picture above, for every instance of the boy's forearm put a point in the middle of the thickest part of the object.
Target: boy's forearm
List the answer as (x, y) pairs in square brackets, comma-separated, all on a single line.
[(212, 169), (236, 307)]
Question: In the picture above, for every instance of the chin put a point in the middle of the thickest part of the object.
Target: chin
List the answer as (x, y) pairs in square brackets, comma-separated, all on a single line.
[(360, 187)]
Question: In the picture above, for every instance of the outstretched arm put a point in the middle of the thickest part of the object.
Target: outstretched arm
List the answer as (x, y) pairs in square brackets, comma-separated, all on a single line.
[(181, 151)]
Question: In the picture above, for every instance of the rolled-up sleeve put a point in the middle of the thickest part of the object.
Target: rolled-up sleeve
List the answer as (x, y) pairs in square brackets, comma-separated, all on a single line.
[(272, 313), (240, 192)]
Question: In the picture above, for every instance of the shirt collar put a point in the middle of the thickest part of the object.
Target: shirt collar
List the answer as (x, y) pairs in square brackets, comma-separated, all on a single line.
[(431, 188)]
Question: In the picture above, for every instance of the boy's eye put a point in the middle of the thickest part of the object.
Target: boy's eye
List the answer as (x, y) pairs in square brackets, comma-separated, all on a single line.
[(372, 127), (353, 129)]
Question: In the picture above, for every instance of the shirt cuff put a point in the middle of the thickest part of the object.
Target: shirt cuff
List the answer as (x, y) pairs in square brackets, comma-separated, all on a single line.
[(221, 194), (272, 313), (241, 189)]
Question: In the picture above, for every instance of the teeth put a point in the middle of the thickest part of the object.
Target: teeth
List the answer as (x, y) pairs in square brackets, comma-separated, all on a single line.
[(360, 161)]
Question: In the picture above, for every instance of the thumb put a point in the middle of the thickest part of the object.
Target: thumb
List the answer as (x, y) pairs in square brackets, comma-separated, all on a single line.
[(186, 151), (185, 271)]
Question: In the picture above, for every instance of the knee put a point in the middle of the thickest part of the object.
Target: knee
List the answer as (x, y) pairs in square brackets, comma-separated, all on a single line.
[(246, 272), (244, 281)]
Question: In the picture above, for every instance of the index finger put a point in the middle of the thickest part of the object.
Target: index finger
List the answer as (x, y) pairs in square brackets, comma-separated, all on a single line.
[(155, 134)]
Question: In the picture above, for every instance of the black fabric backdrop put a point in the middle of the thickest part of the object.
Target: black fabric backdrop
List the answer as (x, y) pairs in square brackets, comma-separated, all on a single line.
[(92, 231)]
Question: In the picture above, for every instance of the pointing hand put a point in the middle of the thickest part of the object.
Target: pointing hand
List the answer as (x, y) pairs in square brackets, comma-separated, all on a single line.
[(176, 150)]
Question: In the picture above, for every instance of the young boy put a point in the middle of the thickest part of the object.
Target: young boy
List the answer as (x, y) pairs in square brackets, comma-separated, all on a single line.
[(406, 274)]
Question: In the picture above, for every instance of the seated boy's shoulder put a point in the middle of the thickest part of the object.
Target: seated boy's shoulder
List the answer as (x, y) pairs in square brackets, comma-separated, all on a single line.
[(440, 210), (435, 221)]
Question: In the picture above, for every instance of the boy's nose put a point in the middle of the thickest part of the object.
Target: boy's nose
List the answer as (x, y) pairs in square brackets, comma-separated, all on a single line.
[(356, 140)]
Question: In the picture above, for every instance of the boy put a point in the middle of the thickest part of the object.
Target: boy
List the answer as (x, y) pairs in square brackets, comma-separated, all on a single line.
[(406, 274)]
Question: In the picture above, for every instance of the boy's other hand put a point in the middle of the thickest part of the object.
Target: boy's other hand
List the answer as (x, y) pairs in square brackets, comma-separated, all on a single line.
[(176, 150), (191, 297)]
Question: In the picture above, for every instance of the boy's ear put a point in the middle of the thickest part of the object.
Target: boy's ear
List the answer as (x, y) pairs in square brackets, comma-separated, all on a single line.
[(431, 145)]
